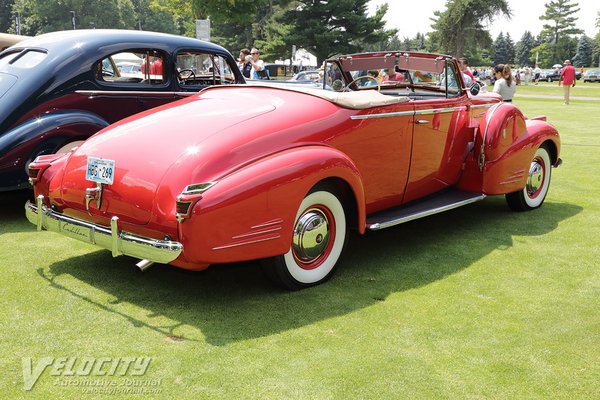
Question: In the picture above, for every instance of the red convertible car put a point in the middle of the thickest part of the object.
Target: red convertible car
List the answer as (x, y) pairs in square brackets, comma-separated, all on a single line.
[(282, 173)]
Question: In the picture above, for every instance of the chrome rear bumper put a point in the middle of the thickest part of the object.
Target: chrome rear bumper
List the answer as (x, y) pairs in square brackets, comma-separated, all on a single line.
[(160, 251)]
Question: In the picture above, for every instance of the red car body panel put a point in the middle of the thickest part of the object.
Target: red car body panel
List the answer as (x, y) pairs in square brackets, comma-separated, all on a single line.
[(267, 147)]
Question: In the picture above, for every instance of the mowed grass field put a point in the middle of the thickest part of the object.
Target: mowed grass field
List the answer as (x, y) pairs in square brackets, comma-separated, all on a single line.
[(479, 302)]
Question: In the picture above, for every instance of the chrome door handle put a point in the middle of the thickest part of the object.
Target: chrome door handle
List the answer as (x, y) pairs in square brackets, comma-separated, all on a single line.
[(421, 122)]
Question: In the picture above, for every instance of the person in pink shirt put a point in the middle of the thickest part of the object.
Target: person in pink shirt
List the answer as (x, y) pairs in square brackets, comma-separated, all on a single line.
[(567, 78)]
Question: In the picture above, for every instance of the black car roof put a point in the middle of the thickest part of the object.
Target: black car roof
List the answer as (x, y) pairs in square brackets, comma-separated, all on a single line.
[(93, 39)]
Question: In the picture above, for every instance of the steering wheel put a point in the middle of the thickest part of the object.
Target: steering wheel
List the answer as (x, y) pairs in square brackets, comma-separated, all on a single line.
[(346, 88), (186, 75)]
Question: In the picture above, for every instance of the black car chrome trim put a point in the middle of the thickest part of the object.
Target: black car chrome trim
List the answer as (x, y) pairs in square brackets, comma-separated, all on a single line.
[(132, 93)]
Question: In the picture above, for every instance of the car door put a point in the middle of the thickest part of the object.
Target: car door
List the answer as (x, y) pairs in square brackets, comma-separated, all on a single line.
[(439, 143)]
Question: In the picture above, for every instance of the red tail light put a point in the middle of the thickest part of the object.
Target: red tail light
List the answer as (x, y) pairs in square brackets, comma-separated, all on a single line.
[(39, 165)]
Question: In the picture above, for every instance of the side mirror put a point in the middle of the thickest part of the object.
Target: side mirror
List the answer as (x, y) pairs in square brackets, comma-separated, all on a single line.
[(337, 85), (475, 88)]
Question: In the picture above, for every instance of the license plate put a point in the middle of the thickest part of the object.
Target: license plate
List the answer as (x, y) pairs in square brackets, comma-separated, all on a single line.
[(100, 170)]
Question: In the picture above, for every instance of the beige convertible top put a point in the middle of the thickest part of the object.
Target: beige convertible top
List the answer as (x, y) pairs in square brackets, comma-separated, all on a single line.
[(356, 100), (7, 40)]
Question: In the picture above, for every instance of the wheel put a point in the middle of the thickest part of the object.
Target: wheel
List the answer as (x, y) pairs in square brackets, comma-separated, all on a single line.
[(66, 148), (538, 181), (317, 243), (549, 79)]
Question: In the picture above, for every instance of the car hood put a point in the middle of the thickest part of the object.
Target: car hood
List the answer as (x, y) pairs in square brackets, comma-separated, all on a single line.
[(146, 146)]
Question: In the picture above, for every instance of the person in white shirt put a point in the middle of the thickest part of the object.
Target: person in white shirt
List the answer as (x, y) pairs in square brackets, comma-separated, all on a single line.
[(258, 65), (504, 84)]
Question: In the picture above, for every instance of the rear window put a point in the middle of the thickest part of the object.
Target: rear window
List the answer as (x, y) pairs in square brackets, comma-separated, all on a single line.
[(6, 82), (28, 59), (7, 58)]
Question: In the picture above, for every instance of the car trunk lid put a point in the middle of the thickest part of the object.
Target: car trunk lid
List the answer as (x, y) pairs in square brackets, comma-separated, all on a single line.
[(143, 152)]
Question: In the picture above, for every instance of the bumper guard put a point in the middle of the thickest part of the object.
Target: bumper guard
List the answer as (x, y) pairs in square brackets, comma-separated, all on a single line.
[(120, 243)]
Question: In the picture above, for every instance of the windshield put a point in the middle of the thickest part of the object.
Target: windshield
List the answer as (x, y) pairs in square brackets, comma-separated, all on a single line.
[(393, 71)]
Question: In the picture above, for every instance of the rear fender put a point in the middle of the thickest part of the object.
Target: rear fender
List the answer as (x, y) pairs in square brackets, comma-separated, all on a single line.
[(42, 135), (250, 213), (505, 146), (50, 125)]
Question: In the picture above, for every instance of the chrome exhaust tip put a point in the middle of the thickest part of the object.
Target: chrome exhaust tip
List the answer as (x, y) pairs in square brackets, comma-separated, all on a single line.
[(144, 265)]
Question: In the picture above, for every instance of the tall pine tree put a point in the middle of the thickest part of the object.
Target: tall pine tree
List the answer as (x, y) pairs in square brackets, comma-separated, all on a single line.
[(523, 49), (330, 27), (561, 24), (583, 58)]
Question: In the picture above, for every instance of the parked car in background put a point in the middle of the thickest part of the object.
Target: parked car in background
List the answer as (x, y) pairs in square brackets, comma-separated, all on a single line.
[(312, 76), (592, 75), (58, 89), (554, 75), (237, 173)]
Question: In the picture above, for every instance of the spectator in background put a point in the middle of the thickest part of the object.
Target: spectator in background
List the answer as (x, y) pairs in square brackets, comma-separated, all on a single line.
[(244, 62), (527, 73), (504, 84), (258, 66), (393, 76), (537, 73), (567, 78), (463, 64), (518, 76)]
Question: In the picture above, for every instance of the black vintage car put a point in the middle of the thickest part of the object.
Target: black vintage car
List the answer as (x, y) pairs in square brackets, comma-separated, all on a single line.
[(59, 88), (554, 75)]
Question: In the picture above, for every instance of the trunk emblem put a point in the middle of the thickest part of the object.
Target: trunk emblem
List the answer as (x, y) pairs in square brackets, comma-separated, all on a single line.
[(94, 193)]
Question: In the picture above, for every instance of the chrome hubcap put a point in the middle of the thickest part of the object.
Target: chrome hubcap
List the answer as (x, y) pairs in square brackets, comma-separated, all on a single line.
[(535, 178), (311, 235)]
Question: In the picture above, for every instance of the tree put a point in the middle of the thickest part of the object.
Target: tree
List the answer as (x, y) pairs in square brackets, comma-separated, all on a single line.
[(326, 28), (510, 49), (544, 53), (596, 45), (462, 25), (41, 16), (562, 23), (501, 50), (6, 20), (583, 58), (523, 49)]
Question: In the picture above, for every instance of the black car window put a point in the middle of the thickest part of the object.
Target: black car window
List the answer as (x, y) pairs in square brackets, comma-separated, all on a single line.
[(202, 69), (133, 67)]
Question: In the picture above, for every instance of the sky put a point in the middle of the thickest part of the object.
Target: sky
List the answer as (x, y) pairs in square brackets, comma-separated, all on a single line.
[(411, 17)]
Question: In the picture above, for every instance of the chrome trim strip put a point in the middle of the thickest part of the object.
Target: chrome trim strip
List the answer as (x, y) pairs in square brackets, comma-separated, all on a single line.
[(422, 214), (197, 188), (227, 246), (513, 181), (119, 242), (268, 223), (410, 113), (131, 93), (385, 115), (488, 105), (256, 233), (439, 110)]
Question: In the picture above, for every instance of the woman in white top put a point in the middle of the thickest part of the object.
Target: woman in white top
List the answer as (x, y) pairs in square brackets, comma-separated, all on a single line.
[(504, 85)]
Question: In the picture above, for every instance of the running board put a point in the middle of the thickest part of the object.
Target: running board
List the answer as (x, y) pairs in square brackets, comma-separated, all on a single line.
[(445, 201)]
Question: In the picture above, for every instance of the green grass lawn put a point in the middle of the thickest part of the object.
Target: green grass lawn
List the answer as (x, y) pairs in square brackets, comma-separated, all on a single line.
[(479, 302), (581, 89)]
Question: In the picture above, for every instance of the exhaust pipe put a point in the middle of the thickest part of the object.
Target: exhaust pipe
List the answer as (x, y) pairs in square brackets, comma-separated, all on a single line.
[(144, 265)]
